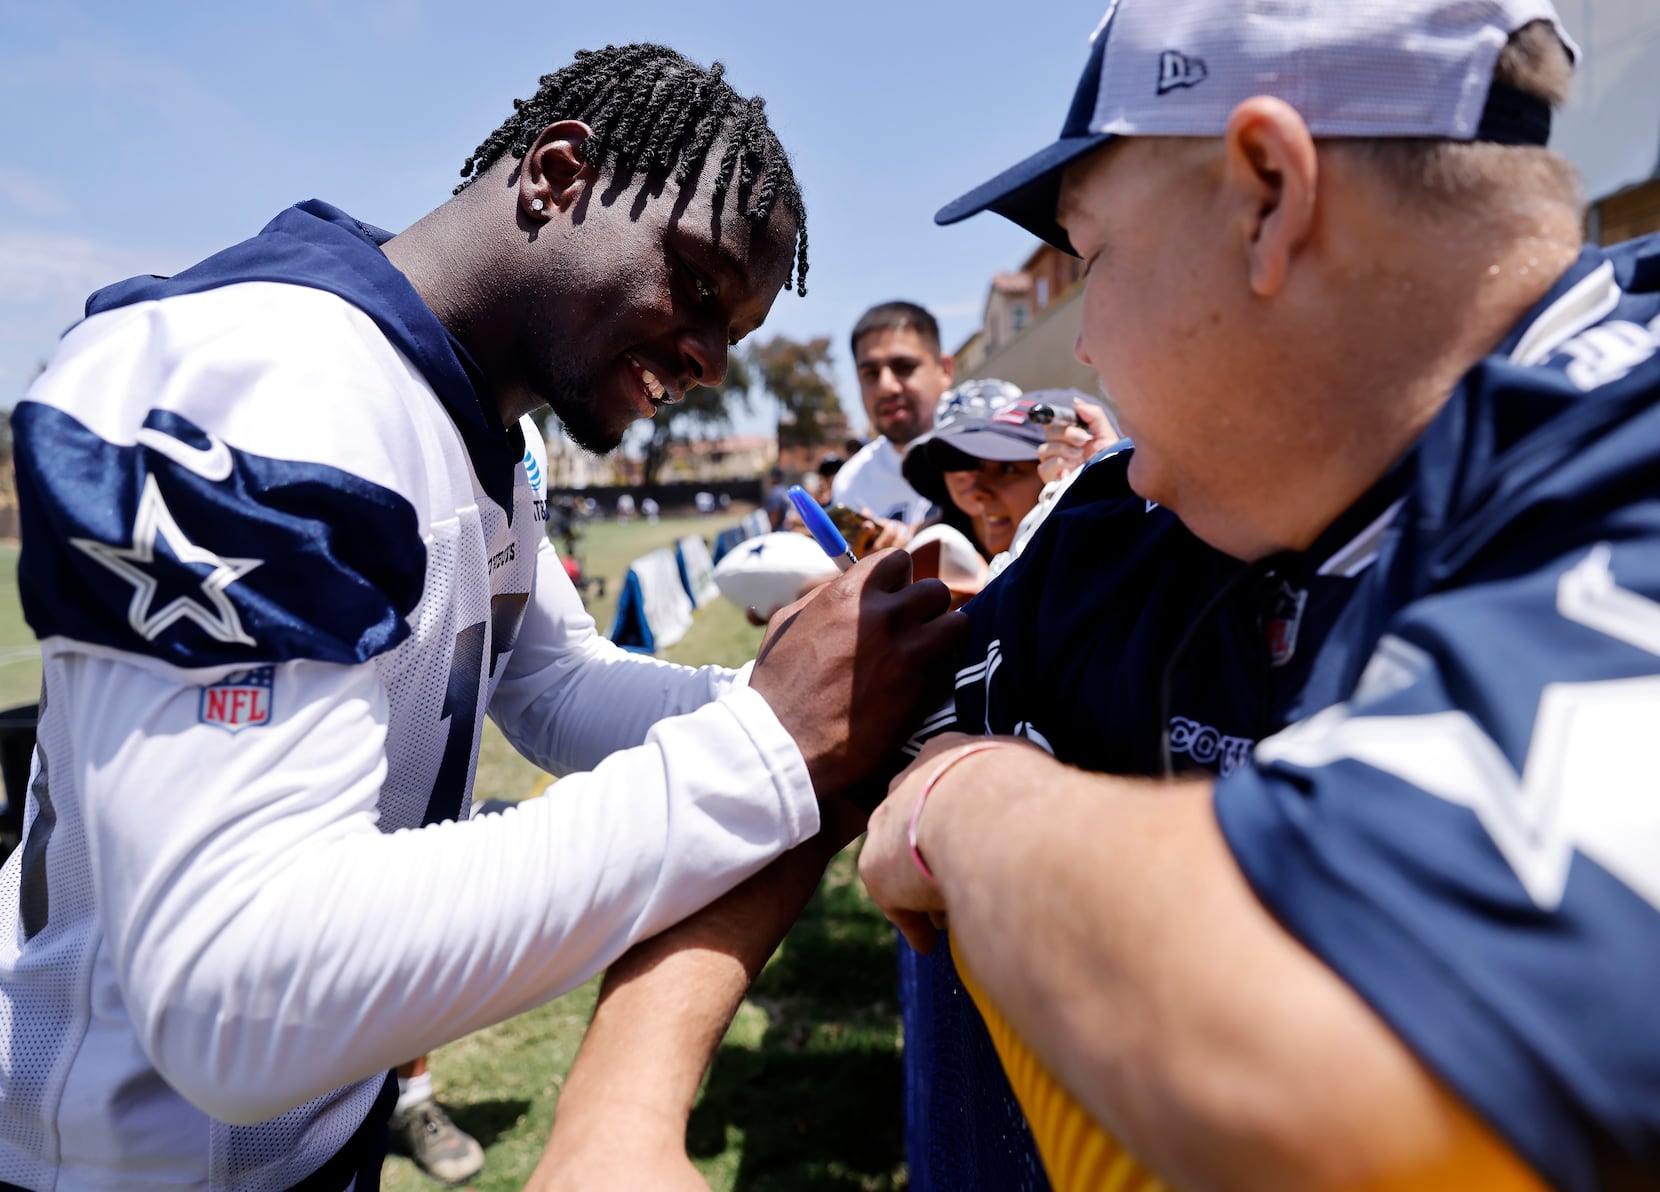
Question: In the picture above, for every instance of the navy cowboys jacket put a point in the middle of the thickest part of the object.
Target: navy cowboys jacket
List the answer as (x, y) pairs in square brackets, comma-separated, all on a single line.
[(1430, 732)]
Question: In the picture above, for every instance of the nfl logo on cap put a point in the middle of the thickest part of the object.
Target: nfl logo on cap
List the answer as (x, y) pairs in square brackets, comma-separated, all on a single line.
[(239, 701)]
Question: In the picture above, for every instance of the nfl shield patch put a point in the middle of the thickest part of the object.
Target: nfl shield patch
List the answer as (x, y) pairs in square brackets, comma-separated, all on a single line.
[(1284, 618), (239, 701)]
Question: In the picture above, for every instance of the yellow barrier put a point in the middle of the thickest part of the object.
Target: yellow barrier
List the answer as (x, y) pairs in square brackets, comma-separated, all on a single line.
[(1078, 1155), (1081, 1157)]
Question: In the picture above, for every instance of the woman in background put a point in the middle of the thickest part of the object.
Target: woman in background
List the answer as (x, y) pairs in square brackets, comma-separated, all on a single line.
[(980, 467)]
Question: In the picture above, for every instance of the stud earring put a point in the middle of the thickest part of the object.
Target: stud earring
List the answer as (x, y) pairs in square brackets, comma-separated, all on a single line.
[(537, 204)]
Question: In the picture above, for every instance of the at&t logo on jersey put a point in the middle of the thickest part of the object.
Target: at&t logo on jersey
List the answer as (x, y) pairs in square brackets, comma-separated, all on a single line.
[(239, 701), (538, 490)]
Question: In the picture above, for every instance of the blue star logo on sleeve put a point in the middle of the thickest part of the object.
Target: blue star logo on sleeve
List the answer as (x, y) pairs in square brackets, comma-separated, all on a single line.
[(146, 569)]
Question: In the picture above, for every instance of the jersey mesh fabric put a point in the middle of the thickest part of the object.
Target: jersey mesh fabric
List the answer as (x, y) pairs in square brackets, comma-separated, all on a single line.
[(413, 686), (252, 1158), (40, 1027)]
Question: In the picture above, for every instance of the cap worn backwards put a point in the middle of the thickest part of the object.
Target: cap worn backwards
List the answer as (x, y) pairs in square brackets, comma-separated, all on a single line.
[(1351, 68)]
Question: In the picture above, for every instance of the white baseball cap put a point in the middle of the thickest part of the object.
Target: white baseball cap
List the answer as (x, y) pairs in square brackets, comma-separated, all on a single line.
[(1351, 68)]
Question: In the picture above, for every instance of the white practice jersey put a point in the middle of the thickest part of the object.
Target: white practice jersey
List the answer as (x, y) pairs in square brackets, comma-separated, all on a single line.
[(281, 565), (873, 482)]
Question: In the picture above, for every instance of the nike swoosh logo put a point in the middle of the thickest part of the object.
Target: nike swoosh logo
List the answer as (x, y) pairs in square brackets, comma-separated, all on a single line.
[(212, 463), (209, 464)]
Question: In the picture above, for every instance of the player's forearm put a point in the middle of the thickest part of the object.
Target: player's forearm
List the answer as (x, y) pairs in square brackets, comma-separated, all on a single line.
[(666, 1005), (1107, 921)]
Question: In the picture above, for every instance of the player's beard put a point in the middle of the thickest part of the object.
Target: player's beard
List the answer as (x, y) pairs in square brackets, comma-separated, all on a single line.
[(573, 403), (570, 381)]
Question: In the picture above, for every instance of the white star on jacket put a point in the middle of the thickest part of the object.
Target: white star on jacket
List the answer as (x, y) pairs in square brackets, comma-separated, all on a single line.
[(217, 617)]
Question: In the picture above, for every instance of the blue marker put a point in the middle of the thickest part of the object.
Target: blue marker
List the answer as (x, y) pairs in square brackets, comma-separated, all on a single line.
[(820, 526)]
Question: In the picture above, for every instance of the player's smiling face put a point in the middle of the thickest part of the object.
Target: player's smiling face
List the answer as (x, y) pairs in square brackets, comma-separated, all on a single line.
[(645, 289)]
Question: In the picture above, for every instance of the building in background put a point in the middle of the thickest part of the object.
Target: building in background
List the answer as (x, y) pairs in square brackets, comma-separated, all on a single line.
[(1610, 127), (729, 457), (1031, 319), (734, 457), (570, 467)]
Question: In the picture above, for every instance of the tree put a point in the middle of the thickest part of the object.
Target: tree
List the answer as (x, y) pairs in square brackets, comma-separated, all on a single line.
[(798, 376)]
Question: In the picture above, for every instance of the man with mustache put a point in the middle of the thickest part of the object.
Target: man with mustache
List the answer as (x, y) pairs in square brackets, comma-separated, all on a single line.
[(902, 373)]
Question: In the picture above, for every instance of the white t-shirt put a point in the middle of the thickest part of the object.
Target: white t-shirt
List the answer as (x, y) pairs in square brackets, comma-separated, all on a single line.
[(872, 482)]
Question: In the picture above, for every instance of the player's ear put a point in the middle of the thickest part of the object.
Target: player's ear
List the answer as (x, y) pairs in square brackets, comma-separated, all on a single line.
[(554, 170), (1270, 170)]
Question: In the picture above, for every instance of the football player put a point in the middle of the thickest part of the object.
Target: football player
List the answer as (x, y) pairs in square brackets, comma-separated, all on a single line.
[(284, 548)]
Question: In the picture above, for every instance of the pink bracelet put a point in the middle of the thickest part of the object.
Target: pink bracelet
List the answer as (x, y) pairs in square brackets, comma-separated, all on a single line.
[(928, 789)]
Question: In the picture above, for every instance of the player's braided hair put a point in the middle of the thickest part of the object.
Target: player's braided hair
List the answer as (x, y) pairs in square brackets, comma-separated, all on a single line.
[(653, 109)]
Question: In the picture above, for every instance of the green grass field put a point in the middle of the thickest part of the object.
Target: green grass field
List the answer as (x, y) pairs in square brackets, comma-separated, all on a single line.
[(19, 656), (805, 1093)]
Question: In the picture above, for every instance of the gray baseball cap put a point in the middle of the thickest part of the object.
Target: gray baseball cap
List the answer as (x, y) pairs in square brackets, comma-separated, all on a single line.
[(1351, 68), (988, 424)]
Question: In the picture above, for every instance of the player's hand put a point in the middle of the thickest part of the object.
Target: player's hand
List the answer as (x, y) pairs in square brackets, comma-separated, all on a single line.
[(1067, 448), (850, 668), (912, 902)]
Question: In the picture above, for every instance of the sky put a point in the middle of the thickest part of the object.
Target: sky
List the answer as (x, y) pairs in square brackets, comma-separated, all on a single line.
[(141, 137)]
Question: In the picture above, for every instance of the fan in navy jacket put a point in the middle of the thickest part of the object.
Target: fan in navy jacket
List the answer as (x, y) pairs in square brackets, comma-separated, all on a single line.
[(1396, 900), (284, 547), (1429, 729)]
